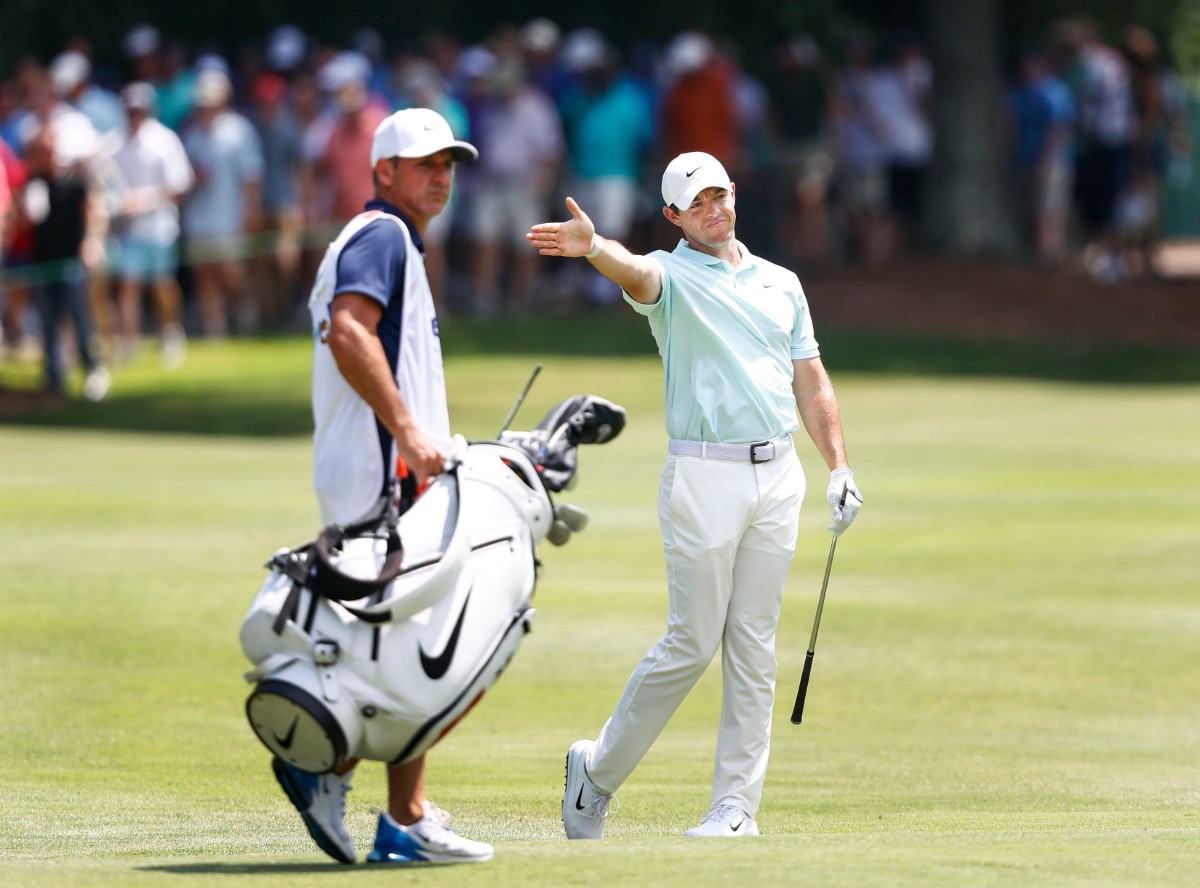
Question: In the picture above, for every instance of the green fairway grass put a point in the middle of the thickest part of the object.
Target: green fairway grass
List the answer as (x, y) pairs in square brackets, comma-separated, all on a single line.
[(1006, 689)]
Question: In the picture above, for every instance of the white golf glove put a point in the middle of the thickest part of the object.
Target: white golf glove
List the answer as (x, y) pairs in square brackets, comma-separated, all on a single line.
[(844, 500)]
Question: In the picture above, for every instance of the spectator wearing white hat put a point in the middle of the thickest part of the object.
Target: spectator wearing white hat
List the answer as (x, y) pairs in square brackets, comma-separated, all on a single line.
[(354, 117), (224, 208), (287, 47), (76, 141), (699, 106), (71, 75), (154, 175), (66, 209)]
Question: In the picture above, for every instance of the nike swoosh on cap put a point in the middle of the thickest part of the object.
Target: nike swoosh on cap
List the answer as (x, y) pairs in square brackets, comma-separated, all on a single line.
[(689, 175), (437, 666)]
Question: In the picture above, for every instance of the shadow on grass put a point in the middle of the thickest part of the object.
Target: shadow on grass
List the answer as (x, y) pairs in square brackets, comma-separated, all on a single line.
[(219, 868), (274, 403)]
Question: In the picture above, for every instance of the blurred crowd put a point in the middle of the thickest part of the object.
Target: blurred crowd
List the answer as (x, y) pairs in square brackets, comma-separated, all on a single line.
[(205, 186)]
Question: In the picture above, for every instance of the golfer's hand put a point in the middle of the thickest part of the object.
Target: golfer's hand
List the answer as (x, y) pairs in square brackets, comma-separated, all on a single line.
[(570, 238), (844, 500)]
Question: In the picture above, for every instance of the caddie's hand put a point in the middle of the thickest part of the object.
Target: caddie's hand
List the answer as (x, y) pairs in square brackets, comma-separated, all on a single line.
[(570, 238), (422, 455), (844, 500)]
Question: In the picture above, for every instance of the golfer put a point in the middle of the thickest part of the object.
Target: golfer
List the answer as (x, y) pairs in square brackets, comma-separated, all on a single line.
[(740, 360), (379, 394)]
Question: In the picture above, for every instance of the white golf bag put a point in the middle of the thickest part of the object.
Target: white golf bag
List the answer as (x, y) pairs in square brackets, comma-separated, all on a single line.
[(374, 640)]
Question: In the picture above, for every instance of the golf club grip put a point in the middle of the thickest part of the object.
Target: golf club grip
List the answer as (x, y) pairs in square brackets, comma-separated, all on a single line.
[(802, 691)]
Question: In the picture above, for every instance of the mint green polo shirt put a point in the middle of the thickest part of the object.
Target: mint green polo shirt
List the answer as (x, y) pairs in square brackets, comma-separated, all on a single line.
[(727, 339)]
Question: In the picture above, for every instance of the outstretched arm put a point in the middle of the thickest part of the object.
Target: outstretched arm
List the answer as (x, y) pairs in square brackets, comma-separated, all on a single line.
[(638, 276)]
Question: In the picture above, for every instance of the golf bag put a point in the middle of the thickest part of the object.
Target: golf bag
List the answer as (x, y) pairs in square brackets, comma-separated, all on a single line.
[(375, 639)]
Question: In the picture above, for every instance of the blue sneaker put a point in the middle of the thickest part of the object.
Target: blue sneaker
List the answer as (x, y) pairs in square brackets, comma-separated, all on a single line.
[(321, 801), (426, 840)]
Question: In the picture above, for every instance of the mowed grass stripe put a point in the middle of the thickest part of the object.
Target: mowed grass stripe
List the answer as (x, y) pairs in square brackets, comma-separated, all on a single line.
[(1004, 690)]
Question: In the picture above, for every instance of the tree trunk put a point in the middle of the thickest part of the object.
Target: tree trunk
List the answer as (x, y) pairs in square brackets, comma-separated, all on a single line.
[(968, 201)]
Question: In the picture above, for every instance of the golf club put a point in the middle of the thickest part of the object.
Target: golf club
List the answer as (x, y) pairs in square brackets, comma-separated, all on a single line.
[(520, 400), (802, 691)]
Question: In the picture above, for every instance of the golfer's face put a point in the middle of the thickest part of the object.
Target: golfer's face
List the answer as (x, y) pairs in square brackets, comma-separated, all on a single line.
[(421, 185), (710, 218)]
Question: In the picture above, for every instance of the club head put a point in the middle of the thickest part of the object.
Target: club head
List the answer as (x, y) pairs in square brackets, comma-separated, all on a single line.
[(558, 533), (572, 516)]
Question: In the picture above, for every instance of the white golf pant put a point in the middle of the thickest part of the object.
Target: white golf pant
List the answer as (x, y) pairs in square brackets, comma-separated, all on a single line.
[(729, 533)]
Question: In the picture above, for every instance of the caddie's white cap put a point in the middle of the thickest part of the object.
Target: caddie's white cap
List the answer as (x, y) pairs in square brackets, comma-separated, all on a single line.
[(689, 174), (417, 132)]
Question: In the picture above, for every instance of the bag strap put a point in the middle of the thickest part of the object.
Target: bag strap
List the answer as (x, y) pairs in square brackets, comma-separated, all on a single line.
[(338, 586), (295, 565)]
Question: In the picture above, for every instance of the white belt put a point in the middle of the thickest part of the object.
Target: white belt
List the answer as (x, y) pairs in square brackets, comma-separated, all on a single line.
[(759, 452)]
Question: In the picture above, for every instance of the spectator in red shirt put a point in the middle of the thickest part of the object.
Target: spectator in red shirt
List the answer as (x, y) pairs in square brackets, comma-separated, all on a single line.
[(699, 112)]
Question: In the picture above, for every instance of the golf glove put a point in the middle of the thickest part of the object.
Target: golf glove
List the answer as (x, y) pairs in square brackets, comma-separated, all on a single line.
[(844, 500)]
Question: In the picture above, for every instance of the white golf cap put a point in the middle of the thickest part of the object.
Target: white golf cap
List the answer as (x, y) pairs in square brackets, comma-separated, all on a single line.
[(689, 174), (417, 132), (141, 96), (141, 41), (211, 88), (69, 70)]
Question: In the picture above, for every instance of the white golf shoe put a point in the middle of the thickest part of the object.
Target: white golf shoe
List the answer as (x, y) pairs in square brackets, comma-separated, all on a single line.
[(725, 821), (427, 840), (585, 805)]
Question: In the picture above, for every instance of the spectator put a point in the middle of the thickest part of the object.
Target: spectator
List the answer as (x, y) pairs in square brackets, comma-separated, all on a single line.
[(154, 175), (352, 124), (1104, 135), (70, 74), (75, 139), (902, 89), (305, 102), (11, 112), (1043, 114), (699, 111), (802, 156), (1162, 137), (176, 86), (67, 214), (860, 155), (5, 209), (224, 207), (16, 247), (287, 46), (279, 129), (609, 128), (540, 49), (521, 150)]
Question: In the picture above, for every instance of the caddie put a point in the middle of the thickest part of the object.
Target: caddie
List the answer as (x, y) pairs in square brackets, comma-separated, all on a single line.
[(379, 394)]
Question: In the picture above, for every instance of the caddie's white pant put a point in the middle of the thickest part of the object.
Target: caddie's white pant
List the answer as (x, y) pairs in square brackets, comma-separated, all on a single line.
[(729, 533)]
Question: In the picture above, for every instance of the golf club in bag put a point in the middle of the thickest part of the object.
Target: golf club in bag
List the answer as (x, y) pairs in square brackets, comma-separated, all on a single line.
[(375, 639)]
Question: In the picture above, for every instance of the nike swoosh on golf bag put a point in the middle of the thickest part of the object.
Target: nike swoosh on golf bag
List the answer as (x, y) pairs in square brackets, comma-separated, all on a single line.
[(339, 676)]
